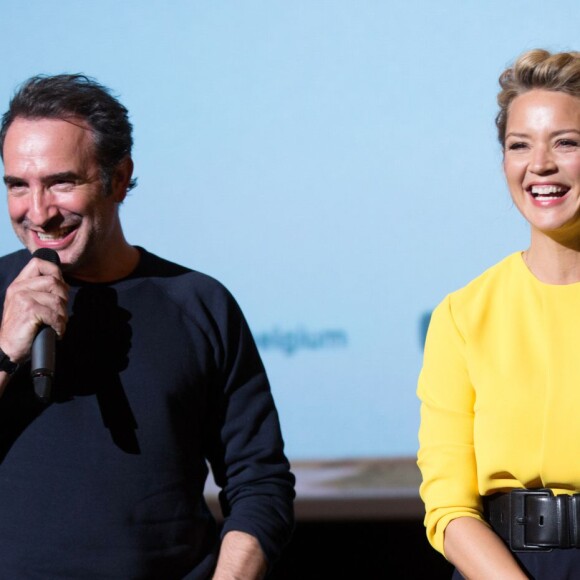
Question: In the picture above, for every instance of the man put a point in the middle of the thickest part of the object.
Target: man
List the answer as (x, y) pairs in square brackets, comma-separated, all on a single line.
[(156, 373)]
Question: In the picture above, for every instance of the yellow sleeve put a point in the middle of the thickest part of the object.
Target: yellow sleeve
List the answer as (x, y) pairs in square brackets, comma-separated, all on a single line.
[(446, 455)]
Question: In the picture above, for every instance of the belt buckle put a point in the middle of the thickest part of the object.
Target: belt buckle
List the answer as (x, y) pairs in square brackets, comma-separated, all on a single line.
[(518, 519), (574, 519)]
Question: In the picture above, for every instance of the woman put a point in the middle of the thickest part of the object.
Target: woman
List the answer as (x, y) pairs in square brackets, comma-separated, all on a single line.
[(500, 383)]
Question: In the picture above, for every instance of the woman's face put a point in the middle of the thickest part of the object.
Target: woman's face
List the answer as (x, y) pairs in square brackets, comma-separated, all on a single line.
[(542, 161)]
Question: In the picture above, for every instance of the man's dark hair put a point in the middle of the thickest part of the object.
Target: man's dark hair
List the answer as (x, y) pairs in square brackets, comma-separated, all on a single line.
[(70, 96)]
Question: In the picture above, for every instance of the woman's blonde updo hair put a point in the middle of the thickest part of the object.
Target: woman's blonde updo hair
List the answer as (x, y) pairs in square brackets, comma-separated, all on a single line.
[(537, 69)]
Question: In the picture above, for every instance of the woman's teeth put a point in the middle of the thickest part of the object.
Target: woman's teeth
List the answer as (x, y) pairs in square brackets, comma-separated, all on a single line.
[(548, 191)]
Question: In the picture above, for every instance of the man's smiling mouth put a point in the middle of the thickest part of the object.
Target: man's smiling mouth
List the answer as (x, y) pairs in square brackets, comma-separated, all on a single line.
[(55, 235)]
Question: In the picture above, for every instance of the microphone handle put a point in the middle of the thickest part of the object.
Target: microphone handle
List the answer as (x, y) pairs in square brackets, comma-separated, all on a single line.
[(42, 362), (44, 344)]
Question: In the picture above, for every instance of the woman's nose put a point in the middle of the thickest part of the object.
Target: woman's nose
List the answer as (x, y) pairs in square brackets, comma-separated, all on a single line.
[(542, 161)]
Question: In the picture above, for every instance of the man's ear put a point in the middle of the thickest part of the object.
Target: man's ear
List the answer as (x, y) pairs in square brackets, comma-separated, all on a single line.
[(121, 179)]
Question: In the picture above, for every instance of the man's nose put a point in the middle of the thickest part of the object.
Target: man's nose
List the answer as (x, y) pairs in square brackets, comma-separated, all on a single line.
[(42, 208)]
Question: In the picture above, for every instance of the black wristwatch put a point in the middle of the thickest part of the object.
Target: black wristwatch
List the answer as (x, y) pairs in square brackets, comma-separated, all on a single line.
[(6, 364)]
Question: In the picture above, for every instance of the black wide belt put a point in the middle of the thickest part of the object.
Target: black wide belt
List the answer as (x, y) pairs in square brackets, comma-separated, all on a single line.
[(534, 519)]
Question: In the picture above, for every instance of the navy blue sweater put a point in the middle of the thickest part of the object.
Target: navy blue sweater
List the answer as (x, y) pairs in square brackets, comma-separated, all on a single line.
[(156, 375)]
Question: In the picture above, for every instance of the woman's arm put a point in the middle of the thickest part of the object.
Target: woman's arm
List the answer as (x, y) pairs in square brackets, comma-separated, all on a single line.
[(446, 455), (477, 552)]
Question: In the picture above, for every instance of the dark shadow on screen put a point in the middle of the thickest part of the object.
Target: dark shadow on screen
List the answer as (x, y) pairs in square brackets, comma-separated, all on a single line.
[(424, 321)]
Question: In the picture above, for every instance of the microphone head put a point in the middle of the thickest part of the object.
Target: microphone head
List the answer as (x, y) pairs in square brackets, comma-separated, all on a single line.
[(47, 254)]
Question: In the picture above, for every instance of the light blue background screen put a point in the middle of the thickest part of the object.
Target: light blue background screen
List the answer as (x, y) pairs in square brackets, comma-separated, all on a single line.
[(333, 163)]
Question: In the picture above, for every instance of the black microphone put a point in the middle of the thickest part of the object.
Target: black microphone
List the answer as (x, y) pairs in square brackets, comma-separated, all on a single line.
[(44, 344)]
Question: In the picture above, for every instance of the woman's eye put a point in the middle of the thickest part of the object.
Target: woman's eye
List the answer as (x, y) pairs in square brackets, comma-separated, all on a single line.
[(516, 146), (568, 143)]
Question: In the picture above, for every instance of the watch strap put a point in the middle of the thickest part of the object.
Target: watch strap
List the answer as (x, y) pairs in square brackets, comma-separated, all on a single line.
[(6, 364)]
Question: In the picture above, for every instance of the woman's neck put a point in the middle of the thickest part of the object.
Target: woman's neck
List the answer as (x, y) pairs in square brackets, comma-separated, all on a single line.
[(552, 262)]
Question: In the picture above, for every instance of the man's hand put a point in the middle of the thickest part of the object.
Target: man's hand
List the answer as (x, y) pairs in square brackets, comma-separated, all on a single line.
[(241, 558), (38, 296)]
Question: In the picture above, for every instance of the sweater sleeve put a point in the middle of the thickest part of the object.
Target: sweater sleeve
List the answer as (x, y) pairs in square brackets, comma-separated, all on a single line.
[(446, 455), (247, 450)]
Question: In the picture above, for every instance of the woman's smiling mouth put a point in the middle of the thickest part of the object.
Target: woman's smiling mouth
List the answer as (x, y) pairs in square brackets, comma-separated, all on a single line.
[(547, 192)]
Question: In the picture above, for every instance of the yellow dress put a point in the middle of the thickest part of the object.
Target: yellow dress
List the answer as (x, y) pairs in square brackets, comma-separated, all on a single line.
[(500, 393)]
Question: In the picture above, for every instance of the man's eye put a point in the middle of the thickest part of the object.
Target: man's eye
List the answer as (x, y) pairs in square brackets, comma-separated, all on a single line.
[(63, 185), (16, 188)]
